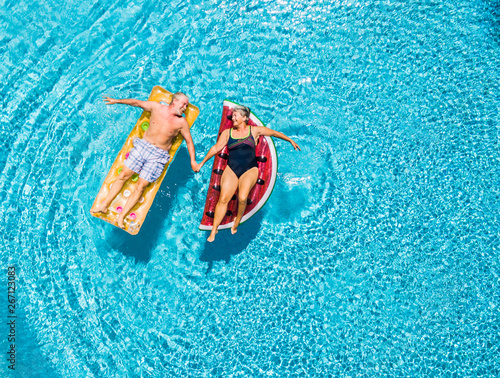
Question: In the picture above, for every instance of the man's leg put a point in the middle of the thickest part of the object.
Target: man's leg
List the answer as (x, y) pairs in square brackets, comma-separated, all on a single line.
[(228, 184), (246, 183), (132, 200), (125, 174)]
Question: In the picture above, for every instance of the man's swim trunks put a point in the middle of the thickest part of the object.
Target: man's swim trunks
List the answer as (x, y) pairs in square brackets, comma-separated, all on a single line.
[(241, 153), (147, 160)]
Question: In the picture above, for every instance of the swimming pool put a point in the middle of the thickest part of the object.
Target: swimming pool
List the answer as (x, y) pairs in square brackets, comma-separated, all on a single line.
[(377, 253)]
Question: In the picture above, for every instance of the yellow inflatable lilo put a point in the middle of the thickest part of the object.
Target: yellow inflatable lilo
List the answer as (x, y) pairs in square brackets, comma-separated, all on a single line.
[(137, 214)]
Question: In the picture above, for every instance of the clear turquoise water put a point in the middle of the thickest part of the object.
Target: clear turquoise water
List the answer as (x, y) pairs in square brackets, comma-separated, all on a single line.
[(377, 254)]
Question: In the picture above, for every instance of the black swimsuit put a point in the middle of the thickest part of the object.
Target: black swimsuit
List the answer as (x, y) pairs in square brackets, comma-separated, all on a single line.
[(241, 153)]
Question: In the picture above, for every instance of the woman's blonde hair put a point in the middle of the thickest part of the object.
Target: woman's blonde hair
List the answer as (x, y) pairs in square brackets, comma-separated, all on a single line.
[(243, 110)]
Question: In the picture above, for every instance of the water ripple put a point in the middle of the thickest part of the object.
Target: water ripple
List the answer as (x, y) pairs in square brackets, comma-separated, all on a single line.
[(376, 253)]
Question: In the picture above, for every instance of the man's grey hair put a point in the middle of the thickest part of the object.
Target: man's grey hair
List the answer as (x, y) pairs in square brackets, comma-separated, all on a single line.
[(178, 95)]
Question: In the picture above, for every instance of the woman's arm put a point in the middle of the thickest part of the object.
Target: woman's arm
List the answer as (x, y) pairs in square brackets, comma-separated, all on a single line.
[(146, 105), (216, 148), (266, 131)]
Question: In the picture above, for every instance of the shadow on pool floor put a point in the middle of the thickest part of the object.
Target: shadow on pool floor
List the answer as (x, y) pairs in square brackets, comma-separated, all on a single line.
[(140, 246), (227, 245)]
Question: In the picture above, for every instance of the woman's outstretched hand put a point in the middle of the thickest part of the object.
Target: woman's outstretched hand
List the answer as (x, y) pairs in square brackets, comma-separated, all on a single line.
[(295, 145)]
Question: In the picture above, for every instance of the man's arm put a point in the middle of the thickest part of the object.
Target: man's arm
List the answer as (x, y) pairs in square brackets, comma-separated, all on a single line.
[(146, 105), (186, 134)]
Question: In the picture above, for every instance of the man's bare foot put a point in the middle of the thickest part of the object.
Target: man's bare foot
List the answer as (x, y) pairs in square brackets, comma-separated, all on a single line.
[(120, 222), (99, 209), (211, 238)]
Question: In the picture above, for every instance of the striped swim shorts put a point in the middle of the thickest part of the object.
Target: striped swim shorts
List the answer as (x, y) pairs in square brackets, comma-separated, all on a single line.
[(147, 160)]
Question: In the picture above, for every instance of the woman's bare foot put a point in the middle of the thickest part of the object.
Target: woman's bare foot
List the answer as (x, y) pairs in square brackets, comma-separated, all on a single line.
[(211, 238), (234, 229), (99, 209)]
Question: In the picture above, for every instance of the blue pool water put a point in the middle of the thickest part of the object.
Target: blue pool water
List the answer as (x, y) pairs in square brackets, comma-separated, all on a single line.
[(377, 253)]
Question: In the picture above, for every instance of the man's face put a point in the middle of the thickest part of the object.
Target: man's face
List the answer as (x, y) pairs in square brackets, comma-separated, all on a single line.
[(180, 105)]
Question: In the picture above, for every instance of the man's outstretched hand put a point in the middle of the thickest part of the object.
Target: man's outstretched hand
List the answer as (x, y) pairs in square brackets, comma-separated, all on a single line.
[(110, 101)]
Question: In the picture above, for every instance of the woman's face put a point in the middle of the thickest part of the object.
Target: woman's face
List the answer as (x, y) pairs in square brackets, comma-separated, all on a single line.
[(238, 118)]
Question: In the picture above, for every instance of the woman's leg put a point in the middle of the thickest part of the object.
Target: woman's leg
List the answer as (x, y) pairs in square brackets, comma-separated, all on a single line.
[(246, 183), (228, 184)]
